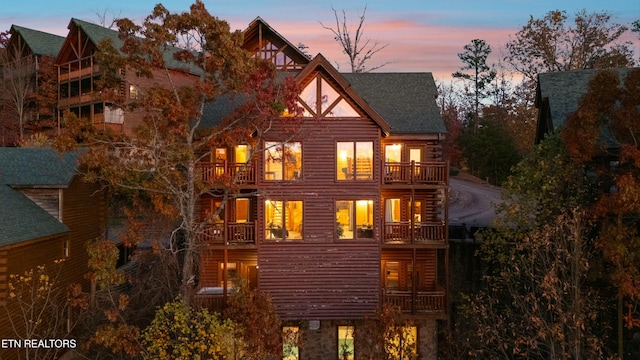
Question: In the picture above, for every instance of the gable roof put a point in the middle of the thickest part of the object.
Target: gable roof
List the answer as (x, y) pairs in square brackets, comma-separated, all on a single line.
[(405, 100), (96, 33), (20, 218), (259, 29), (562, 92), (39, 42), (36, 167)]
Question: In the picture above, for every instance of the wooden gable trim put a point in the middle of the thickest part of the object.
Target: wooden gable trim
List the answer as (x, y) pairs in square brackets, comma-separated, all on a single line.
[(75, 45), (320, 63), (259, 31)]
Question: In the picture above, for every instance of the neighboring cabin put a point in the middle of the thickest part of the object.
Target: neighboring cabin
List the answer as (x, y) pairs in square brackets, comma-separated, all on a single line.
[(47, 213), (28, 71)]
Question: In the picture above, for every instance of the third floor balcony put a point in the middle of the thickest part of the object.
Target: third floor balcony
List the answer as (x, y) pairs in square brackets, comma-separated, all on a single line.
[(410, 173)]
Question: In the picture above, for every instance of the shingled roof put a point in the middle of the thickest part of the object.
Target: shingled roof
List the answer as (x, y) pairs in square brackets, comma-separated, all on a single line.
[(405, 100), (97, 33), (562, 91), (40, 43), (20, 168)]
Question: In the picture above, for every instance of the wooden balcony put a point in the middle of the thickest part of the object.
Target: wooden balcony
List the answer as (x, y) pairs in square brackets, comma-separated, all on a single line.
[(411, 173), (423, 233), (234, 233), (75, 100), (422, 302), (223, 172), (74, 74)]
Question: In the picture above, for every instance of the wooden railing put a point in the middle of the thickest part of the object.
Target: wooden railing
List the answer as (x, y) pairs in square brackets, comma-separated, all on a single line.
[(234, 233), (421, 302), (64, 76), (416, 173), (418, 233), (240, 173)]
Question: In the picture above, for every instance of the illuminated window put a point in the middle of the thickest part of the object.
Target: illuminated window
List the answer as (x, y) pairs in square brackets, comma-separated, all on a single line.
[(393, 153), (133, 92), (403, 345), (290, 342), (319, 98), (354, 160), (345, 343), (392, 210), (283, 220), (282, 161), (354, 219), (242, 153)]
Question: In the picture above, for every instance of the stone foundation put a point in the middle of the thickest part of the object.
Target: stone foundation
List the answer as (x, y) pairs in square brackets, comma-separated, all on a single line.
[(321, 342)]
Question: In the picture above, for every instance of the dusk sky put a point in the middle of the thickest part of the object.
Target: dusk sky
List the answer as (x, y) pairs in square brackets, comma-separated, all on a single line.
[(422, 35)]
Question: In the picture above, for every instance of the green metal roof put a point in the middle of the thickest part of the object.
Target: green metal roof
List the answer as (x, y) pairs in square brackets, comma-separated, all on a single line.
[(20, 218), (97, 33), (40, 43)]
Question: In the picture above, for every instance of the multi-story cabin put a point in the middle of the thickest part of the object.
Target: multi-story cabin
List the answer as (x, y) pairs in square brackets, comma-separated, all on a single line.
[(79, 72), (47, 213), (344, 216), (27, 62)]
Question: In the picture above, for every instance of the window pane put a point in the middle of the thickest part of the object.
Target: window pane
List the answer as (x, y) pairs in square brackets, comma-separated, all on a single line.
[(273, 219), (272, 161), (242, 153), (364, 161), (328, 95), (345, 343), (364, 218), (293, 213), (393, 153), (392, 210), (342, 109), (290, 343), (344, 161), (344, 223), (309, 96), (292, 161), (405, 346)]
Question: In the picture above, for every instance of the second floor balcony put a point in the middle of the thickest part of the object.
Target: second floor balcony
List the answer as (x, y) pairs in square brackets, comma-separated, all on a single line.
[(433, 301), (416, 173), (232, 233), (417, 233), (228, 172)]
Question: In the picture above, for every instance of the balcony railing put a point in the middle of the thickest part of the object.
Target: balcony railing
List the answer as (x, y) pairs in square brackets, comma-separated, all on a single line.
[(416, 233), (240, 173), (416, 172), (73, 74), (234, 233), (422, 302)]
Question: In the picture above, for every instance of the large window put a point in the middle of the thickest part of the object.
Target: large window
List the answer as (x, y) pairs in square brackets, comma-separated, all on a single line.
[(403, 345), (354, 160), (283, 220), (319, 98), (282, 161), (346, 349), (354, 219)]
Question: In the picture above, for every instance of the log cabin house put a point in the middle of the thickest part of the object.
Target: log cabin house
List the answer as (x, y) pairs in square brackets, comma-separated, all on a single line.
[(336, 222), (48, 213), (79, 72), (28, 54)]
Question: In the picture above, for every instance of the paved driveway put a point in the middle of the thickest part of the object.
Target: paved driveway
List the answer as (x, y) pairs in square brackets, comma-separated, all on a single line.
[(472, 202)]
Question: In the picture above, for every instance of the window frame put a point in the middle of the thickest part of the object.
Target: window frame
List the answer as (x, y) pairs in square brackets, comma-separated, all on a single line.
[(364, 228), (270, 232), (355, 176), (269, 146)]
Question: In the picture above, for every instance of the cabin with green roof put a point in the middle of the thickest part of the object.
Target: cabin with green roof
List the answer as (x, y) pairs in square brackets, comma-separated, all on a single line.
[(47, 213), (79, 71)]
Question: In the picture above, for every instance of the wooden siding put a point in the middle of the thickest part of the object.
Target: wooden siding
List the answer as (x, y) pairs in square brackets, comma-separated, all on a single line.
[(48, 199), (321, 281), (84, 212)]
